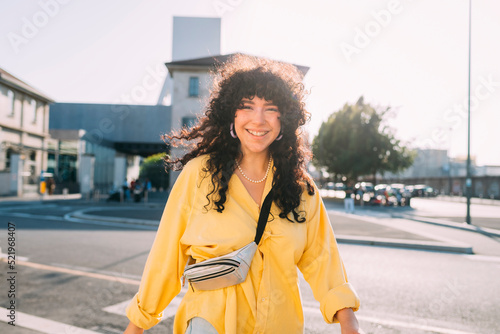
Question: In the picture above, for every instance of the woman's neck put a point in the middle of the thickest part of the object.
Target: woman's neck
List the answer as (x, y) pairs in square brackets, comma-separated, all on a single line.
[(254, 165)]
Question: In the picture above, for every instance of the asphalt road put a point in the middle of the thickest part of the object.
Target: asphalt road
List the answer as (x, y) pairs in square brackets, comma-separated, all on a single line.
[(82, 275)]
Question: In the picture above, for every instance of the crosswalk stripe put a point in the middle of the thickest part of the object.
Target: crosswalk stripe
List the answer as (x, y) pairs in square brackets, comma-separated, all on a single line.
[(42, 325), (170, 311), (393, 323)]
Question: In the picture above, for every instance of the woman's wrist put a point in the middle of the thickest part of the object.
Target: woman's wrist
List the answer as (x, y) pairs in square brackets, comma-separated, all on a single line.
[(348, 322), (133, 329)]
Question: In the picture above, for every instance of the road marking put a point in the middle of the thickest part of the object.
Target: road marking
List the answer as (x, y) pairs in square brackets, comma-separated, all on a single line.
[(18, 258), (97, 271), (120, 308), (42, 325), (79, 272), (68, 217), (485, 258), (412, 326), (402, 324)]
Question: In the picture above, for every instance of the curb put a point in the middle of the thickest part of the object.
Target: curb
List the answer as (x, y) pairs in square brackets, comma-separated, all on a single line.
[(344, 239), (83, 216), (405, 243), (446, 223)]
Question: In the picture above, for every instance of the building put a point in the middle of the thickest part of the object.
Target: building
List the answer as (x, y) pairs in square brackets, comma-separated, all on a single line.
[(99, 146), (24, 135), (447, 175)]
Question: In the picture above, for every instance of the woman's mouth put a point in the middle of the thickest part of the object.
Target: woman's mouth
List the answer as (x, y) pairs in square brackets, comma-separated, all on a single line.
[(258, 133)]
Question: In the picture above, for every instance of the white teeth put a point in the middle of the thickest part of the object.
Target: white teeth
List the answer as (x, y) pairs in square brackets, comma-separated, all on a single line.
[(255, 133)]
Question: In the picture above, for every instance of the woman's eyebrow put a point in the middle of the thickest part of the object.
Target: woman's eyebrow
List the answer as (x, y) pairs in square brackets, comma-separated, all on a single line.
[(251, 102)]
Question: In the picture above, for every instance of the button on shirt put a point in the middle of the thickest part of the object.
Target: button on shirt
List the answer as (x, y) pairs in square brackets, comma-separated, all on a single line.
[(269, 299)]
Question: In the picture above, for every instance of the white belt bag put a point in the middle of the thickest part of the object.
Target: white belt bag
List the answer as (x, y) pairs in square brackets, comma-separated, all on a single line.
[(230, 269)]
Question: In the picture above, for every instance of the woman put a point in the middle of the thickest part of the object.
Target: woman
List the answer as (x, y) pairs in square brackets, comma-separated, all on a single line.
[(248, 142)]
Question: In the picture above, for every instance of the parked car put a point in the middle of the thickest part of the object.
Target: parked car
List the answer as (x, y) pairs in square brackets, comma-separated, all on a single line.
[(339, 186), (422, 190), (403, 194), (387, 194), (364, 191), (335, 186)]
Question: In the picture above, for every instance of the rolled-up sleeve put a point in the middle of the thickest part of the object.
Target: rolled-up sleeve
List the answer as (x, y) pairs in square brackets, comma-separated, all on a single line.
[(322, 265), (160, 281)]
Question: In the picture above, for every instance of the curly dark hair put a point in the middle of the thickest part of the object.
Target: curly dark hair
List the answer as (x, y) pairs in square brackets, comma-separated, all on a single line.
[(242, 77)]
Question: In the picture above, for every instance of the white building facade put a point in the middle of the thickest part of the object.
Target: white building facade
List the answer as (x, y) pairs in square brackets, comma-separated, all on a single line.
[(24, 135)]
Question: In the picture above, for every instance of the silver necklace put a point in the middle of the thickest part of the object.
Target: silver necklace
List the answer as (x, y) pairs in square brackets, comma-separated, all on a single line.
[(249, 179)]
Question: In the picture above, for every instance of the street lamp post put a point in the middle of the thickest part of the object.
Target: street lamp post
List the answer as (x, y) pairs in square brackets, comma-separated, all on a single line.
[(468, 180)]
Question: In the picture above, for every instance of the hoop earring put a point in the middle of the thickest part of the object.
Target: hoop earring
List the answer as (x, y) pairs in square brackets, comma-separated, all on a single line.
[(231, 131), (279, 137)]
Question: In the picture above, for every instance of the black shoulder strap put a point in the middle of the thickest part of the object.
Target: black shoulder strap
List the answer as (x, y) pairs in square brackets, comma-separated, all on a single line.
[(264, 213)]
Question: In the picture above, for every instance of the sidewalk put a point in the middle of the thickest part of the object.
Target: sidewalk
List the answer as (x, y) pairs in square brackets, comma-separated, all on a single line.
[(473, 200), (489, 223)]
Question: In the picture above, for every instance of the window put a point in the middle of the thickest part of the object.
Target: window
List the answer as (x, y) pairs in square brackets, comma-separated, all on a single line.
[(11, 101), (8, 158), (188, 121), (194, 84), (33, 109)]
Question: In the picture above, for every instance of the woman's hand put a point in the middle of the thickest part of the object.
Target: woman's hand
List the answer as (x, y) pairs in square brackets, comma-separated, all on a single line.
[(348, 322), (133, 329)]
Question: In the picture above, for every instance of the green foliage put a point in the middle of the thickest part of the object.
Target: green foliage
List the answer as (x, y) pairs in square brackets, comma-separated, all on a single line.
[(153, 168), (354, 142)]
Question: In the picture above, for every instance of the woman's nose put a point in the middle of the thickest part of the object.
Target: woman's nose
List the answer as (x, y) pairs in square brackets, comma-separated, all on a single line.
[(259, 116)]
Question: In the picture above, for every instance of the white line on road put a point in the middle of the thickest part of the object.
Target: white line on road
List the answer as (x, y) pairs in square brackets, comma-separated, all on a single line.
[(395, 323), (170, 311), (18, 258), (412, 326), (68, 217), (79, 272), (485, 258), (42, 325)]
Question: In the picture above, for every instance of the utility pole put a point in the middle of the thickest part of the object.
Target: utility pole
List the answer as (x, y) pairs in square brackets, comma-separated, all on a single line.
[(468, 180)]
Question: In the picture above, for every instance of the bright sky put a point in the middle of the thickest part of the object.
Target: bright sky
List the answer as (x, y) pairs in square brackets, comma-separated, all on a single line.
[(410, 55)]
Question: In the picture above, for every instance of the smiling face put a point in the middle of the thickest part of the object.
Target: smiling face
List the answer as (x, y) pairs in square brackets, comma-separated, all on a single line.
[(257, 124)]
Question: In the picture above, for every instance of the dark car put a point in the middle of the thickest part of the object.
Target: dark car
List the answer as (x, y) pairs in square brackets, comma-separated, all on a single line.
[(366, 191), (403, 194), (387, 194), (422, 190)]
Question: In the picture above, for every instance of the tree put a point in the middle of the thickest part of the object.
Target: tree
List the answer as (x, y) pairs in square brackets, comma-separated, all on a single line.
[(153, 168), (355, 141)]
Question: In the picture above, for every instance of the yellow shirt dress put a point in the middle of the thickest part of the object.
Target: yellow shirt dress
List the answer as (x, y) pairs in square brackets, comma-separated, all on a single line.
[(269, 300)]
